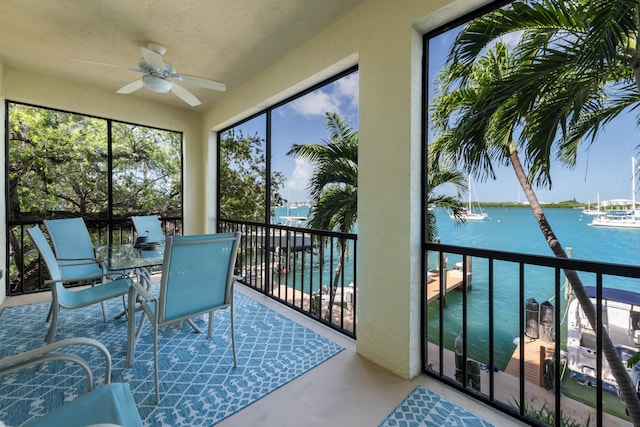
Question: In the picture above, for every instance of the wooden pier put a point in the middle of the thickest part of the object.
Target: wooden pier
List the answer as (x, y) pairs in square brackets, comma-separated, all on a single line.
[(535, 353), (453, 281)]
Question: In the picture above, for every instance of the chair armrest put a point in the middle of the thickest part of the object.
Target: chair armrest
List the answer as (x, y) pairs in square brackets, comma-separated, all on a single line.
[(87, 261), (84, 278), (47, 352)]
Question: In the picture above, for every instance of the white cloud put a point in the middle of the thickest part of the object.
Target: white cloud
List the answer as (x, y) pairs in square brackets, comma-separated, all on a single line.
[(331, 98), (346, 89), (315, 104), (299, 179)]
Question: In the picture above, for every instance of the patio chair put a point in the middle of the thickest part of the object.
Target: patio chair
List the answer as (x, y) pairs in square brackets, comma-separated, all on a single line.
[(65, 298), (74, 252), (197, 278), (148, 226), (108, 404), (73, 248)]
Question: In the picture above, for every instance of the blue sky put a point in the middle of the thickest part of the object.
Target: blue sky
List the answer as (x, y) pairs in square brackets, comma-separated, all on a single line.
[(303, 122), (604, 168)]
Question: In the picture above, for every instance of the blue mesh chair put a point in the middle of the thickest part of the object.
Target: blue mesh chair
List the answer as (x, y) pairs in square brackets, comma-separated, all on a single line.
[(65, 298), (110, 403), (197, 278), (73, 248), (74, 252), (148, 226)]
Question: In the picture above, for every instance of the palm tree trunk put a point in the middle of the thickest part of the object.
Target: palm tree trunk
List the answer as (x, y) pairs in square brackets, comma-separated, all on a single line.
[(334, 286), (625, 386)]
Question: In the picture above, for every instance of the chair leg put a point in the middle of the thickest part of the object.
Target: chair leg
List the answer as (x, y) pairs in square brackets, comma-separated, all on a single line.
[(51, 333), (124, 311), (233, 339), (155, 361), (139, 327), (49, 313), (210, 324), (104, 311), (131, 330), (194, 326)]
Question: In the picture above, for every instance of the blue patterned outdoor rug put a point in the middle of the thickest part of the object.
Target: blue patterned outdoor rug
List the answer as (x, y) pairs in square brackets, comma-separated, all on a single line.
[(426, 408), (198, 384)]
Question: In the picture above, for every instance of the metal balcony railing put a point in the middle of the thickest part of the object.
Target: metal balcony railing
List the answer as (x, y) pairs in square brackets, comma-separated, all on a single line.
[(311, 271), (27, 274), (506, 329)]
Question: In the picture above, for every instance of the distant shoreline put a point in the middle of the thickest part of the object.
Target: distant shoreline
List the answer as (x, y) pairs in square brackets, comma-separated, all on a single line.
[(570, 204)]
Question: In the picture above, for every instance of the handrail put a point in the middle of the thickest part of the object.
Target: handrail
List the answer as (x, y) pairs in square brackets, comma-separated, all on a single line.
[(27, 275), (491, 276), (303, 268)]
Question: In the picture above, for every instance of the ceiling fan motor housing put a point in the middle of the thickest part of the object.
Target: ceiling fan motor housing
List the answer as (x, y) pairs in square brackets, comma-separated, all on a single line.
[(156, 84)]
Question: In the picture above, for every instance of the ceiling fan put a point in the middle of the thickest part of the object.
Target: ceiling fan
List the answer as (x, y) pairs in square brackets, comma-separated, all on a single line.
[(161, 77)]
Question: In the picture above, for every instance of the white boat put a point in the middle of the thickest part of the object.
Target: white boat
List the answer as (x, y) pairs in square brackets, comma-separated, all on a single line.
[(590, 211), (628, 218), (468, 214), (621, 315), (625, 219), (294, 221)]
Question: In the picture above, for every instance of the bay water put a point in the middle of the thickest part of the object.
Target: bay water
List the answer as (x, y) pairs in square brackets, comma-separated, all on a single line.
[(323, 270), (516, 230)]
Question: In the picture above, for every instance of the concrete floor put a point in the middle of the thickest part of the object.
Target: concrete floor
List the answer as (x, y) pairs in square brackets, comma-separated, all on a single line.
[(346, 390)]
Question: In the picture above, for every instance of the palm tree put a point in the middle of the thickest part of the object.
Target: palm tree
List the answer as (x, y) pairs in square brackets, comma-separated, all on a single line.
[(441, 174), (496, 103), (333, 187)]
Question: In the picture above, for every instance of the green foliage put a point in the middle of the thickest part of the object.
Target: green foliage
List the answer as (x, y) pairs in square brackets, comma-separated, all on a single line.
[(333, 187), (58, 165), (242, 186), (438, 174), (147, 171), (548, 416), (572, 70)]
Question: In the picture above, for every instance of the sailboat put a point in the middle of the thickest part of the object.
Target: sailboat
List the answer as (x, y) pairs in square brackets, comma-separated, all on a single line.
[(629, 218), (590, 211), (468, 214)]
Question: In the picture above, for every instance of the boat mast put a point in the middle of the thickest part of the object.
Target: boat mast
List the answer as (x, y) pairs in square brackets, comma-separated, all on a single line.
[(633, 184), (469, 193)]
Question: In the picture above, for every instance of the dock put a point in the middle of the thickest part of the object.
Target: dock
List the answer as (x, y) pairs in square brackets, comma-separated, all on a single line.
[(535, 353), (453, 281)]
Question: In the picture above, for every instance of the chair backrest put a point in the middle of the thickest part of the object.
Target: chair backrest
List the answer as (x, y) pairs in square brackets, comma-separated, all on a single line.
[(197, 275), (45, 252), (71, 240), (149, 226)]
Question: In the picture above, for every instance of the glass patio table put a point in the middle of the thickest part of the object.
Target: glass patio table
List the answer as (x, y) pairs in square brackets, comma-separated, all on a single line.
[(129, 257)]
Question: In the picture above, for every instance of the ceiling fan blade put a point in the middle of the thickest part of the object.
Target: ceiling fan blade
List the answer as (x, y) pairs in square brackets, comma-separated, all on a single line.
[(185, 95), (104, 64), (153, 58), (131, 87), (200, 81)]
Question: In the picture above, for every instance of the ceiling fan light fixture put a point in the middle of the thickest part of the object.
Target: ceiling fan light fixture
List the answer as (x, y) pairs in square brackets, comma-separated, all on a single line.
[(156, 84)]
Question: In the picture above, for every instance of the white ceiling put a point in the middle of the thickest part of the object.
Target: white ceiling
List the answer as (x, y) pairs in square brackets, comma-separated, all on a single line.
[(224, 40)]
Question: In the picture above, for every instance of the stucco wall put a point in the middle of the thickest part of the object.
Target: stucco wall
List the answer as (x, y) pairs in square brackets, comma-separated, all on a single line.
[(385, 40)]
